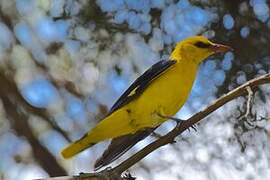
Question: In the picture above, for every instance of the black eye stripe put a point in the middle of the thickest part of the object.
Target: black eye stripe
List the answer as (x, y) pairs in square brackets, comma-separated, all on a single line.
[(202, 44)]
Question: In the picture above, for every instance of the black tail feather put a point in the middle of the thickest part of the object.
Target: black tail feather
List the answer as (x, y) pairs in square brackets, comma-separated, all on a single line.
[(119, 146)]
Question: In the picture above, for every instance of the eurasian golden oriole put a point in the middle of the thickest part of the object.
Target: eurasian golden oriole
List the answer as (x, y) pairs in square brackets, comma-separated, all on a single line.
[(156, 95)]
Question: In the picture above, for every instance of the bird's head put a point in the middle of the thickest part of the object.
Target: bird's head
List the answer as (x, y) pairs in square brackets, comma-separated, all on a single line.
[(197, 49)]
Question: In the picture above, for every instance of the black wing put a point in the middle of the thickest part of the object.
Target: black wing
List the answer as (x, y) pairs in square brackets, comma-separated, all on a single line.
[(139, 85), (122, 144)]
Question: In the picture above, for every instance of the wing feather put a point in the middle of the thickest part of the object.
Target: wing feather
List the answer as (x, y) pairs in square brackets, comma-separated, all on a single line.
[(139, 85), (120, 145)]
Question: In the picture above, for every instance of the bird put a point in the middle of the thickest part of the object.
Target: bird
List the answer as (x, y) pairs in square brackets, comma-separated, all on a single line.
[(153, 98)]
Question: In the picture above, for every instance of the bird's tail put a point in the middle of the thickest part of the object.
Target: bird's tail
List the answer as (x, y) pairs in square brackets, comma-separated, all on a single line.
[(77, 146), (115, 125)]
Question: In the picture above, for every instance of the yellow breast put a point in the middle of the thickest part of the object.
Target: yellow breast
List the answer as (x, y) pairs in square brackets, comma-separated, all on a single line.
[(166, 95)]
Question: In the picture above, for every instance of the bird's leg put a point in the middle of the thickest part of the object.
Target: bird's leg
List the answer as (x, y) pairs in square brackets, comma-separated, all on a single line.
[(177, 120)]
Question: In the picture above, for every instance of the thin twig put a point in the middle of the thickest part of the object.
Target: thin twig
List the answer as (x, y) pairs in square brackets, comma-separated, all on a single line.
[(249, 101)]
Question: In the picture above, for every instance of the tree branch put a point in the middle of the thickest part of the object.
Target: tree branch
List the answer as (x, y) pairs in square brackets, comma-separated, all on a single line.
[(244, 89)]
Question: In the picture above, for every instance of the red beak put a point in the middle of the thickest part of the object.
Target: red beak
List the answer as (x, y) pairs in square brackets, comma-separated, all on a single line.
[(219, 48)]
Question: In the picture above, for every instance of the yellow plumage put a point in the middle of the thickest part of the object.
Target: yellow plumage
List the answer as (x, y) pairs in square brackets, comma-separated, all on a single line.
[(165, 95)]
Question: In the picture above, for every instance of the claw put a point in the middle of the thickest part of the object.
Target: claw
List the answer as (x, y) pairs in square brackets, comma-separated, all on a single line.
[(194, 127), (85, 175), (178, 121)]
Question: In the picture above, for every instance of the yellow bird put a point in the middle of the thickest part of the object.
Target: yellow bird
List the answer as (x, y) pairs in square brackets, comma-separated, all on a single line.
[(153, 98)]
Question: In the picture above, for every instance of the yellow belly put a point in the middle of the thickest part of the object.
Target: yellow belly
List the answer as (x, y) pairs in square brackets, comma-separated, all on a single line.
[(166, 95)]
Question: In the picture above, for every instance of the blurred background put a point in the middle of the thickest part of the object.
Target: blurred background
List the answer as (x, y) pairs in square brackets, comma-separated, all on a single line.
[(63, 63)]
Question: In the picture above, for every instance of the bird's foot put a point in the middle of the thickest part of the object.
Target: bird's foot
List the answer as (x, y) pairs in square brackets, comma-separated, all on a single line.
[(193, 127), (178, 121), (85, 175)]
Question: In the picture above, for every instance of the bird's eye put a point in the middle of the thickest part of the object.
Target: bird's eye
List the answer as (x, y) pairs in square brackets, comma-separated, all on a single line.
[(200, 44)]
